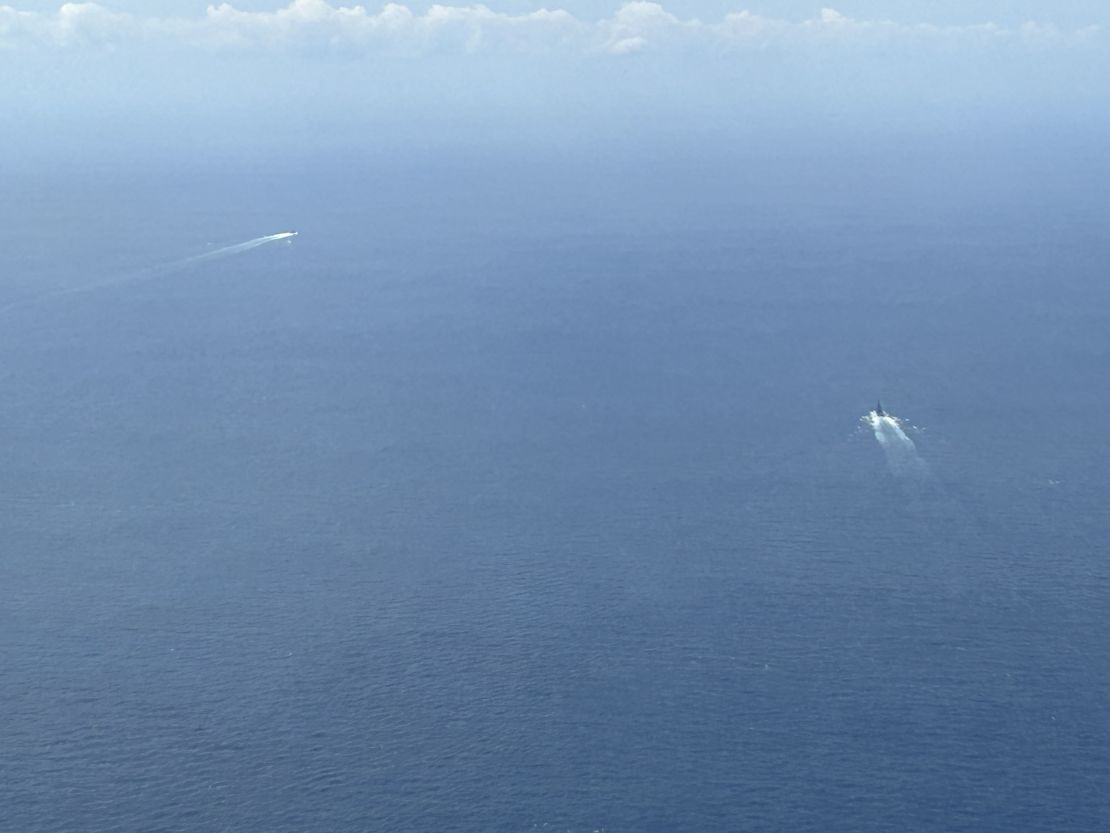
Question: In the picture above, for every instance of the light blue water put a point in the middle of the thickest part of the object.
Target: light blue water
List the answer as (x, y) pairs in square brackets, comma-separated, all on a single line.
[(541, 504)]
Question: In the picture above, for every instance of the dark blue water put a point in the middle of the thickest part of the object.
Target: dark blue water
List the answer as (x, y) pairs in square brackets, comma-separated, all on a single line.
[(500, 503)]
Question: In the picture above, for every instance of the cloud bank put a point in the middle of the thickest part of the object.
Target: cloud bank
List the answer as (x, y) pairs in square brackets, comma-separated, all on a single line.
[(85, 81), (636, 28)]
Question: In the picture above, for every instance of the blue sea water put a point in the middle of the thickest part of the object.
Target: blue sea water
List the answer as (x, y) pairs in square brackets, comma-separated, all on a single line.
[(513, 501)]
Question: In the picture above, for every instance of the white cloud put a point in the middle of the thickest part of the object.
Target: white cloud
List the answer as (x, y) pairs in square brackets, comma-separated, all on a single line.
[(627, 46), (636, 27)]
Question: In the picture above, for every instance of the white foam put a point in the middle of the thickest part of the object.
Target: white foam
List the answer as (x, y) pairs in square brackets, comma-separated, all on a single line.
[(901, 454), (238, 247)]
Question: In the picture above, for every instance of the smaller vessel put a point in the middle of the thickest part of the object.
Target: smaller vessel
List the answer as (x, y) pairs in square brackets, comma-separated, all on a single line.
[(879, 408)]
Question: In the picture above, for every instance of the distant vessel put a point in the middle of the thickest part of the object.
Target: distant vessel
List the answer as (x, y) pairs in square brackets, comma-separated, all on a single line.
[(879, 408)]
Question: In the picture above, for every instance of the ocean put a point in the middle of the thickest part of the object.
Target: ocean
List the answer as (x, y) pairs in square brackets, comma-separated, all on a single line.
[(536, 497)]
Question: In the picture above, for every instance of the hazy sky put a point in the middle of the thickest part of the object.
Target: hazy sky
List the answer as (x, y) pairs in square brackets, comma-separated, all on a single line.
[(1062, 12), (172, 76)]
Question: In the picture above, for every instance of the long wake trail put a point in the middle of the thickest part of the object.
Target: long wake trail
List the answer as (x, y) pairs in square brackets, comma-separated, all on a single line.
[(234, 250), (150, 273)]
